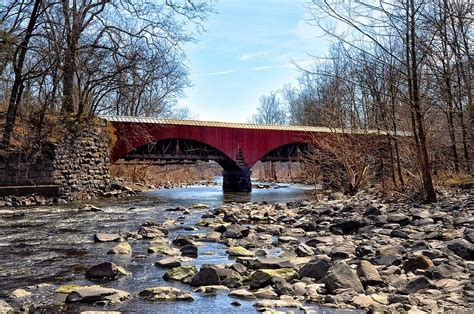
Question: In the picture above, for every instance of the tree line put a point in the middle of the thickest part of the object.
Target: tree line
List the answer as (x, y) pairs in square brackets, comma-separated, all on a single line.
[(393, 66), (80, 58)]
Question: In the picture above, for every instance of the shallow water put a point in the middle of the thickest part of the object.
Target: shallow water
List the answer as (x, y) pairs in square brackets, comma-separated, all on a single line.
[(54, 244)]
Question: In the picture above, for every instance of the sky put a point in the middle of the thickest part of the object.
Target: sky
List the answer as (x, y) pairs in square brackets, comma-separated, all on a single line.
[(247, 51)]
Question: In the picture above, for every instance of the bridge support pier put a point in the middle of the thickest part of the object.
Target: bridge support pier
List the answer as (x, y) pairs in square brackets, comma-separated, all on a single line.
[(237, 180)]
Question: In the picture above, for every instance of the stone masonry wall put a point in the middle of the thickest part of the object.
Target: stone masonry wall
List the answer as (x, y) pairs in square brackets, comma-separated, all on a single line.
[(81, 164), (78, 166)]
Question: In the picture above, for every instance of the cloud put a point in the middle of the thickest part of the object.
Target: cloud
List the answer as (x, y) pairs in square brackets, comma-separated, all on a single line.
[(260, 68), (253, 55)]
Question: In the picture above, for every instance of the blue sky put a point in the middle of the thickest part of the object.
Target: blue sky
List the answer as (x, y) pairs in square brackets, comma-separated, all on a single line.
[(247, 51)]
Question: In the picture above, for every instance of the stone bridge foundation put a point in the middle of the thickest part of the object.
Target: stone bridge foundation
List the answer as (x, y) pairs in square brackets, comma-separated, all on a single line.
[(237, 180)]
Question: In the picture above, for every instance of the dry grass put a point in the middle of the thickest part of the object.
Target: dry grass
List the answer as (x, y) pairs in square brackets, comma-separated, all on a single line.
[(454, 179), (165, 175)]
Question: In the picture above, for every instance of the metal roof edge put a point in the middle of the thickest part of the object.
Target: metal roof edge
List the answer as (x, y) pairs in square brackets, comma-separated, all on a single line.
[(300, 128)]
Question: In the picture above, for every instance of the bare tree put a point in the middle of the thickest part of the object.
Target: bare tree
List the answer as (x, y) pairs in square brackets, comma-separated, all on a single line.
[(270, 110)]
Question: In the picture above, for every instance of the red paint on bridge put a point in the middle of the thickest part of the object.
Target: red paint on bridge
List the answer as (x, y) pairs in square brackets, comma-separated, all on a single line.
[(254, 142)]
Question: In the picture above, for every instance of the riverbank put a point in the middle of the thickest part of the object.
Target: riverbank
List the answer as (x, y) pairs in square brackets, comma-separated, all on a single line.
[(360, 252)]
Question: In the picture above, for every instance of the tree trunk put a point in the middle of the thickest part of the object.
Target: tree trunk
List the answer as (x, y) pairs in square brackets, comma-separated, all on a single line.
[(422, 150), (18, 86)]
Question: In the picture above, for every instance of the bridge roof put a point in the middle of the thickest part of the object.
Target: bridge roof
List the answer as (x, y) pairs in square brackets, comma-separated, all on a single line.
[(300, 128)]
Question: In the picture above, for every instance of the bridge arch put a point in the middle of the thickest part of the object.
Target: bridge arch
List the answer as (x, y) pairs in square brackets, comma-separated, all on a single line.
[(181, 150)]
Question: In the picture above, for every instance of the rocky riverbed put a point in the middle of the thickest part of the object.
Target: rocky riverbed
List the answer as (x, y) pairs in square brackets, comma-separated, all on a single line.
[(362, 252)]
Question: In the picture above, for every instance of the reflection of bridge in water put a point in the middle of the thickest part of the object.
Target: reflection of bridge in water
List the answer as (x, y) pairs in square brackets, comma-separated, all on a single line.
[(235, 146)]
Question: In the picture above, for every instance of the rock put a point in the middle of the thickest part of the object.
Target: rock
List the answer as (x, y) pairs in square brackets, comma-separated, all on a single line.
[(300, 288), (163, 249), (334, 239), (416, 284), (417, 262), (235, 303), (211, 290), (307, 226), (235, 231), (266, 293), (66, 289), (462, 248), (200, 206), (400, 219), (304, 250), (443, 271), (97, 295), (230, 218), (20, 293), (368, 274), (169, 262), (212, 236), (5, 308), (348, 226), (262, 277), (180, 273), (163, 294), (364, 302), (105, 270), (123, 248), (341, 252), (239, 251), (151, 232), (341, 276), (90, 208), (314, 269), (242, 294), (189, 250), (107, 237), (213, 275), (181, 240), (372, 211), (270, 263), (282, 287), (270, 304), (287, 239)]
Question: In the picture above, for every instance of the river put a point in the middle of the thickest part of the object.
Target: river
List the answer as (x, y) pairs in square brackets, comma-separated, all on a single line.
[(54, 244)]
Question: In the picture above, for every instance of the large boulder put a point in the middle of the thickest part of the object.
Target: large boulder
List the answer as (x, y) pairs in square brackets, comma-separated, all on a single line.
[(152, 231), (416, 284), (123, 248), (304, 250), (235, 231), (239, 251), (213, 275), (462, 248), (263, 277), (5, 308), (211, 290), (172, 261), (107, 237), (97, 295), (315, 269), (182, 240), (163, 249), (180, 273), (105, 270), (368, 274), (189, 250), (348, 226), (341, 276), (163, 294), (242, 294), (417, 262), (270, 263)]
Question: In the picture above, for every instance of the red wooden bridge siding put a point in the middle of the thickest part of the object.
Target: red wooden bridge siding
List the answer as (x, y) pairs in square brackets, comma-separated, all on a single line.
[(254, 143)]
